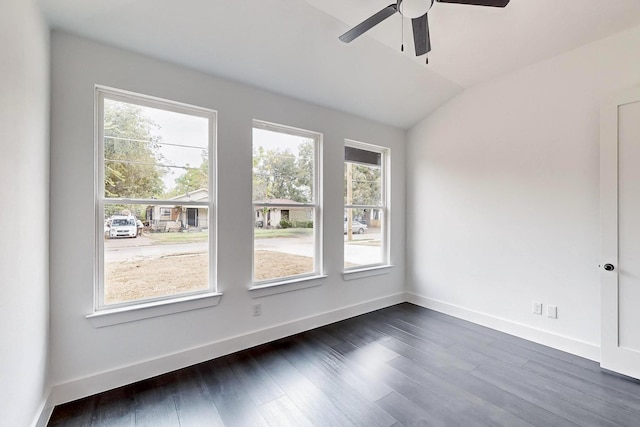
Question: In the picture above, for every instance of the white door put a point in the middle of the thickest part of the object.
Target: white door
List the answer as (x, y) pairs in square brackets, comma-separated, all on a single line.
[(620, 234)]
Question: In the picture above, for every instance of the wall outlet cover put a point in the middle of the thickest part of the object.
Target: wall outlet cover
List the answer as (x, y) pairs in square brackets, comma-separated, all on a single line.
[(537, 308), (257, 309)]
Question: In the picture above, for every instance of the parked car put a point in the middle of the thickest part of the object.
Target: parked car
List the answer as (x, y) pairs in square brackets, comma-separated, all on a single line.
[(121, 226), (356, 226)]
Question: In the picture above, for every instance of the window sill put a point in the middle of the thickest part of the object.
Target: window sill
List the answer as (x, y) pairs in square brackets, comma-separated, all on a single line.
[(133, 313), (360, 273), (266, 289)]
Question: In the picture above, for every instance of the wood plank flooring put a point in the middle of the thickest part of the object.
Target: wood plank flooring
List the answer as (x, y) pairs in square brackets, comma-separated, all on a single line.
[(400, 366)]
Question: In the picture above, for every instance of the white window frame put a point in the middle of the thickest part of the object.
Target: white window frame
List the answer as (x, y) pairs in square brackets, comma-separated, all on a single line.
[(103, 314), (305, 280), (385, 176)]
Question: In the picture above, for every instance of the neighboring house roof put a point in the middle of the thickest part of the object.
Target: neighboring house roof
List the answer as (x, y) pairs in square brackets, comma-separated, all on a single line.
[(199, 195)]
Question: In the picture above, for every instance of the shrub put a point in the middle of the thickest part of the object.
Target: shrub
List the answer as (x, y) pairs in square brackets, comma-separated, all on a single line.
[(285, 223), (303, 224)]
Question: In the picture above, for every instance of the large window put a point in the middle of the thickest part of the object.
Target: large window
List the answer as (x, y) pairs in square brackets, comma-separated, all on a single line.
[(154, 199), (285, 203), (365, 206)]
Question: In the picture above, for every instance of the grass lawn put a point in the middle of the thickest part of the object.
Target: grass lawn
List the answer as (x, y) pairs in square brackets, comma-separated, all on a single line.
[(264, 233), (189, 237), (175, 274), (202, 236), (150, 278)]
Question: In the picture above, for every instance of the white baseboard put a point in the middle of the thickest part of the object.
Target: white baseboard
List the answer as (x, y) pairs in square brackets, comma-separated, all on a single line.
[(77, 389), (560, 342), (44, 411), (83, 387)]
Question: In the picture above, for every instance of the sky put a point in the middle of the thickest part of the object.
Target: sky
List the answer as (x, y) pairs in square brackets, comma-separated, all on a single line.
[(273, 140), (189, 132)]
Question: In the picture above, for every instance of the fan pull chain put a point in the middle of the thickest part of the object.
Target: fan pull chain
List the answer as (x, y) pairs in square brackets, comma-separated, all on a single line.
[(402, 34)]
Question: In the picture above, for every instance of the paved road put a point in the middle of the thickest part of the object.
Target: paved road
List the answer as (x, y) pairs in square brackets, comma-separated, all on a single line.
[(118, 250)]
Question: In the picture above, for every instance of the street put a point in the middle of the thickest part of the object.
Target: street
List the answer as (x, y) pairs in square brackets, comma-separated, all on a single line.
[(143, 247)]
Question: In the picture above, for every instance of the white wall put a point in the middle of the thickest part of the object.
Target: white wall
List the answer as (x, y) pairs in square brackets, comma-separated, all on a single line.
[(503, 196), (24, 190), (81, 351)]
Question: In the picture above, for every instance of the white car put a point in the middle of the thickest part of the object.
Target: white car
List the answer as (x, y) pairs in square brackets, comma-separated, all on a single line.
[(356, 226), (122, 226)]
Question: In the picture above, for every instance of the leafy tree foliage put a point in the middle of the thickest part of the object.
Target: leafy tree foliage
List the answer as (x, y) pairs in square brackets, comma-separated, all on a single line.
[(281, 174), (131, 153), (193, 178), (365, 185)]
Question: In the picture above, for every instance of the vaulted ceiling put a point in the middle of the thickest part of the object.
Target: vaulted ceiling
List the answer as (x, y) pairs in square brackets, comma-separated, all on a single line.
[(292, 46)]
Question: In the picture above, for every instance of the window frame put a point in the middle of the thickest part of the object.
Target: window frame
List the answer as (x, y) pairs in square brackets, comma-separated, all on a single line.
[(154, 306), (165, 212), (385, 177), (266, 287)]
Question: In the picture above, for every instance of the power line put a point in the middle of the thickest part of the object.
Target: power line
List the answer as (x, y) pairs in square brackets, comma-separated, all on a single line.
[(118, 138)]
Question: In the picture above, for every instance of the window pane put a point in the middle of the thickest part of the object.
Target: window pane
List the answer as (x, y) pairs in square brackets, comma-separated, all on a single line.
[(363, 240), (282, 167), (154, 251), (283, 242), (153, 153), (363, 184)]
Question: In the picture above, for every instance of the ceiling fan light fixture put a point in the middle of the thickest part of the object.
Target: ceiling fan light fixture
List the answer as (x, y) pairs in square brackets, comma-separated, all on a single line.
[(414, 8), (417, 11)]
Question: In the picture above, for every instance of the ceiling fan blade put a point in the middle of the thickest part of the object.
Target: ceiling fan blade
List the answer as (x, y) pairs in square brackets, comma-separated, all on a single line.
[(421, 38), (493, 3), (368, 23)]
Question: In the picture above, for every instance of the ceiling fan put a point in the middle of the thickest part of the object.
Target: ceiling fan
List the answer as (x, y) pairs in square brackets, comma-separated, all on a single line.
[(417, 11)]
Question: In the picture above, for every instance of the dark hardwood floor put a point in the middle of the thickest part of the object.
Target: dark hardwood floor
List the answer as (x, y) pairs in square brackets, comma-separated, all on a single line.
[(400, 366)]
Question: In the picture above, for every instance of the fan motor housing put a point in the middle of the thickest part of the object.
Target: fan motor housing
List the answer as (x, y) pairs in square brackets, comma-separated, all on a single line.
[(414, 8)]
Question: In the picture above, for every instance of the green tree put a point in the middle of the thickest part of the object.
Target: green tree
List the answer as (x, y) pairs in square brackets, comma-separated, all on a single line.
[(193, 178), (131, 153), (305, 165), (281, 174), (366, 185)]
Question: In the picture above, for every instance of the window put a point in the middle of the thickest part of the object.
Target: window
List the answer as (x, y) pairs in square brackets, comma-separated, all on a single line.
[(365, 206), (285, 203), (154, 199)]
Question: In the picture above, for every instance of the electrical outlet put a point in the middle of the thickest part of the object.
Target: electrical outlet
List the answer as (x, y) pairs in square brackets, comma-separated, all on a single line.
[(257, 309), (537, 308), (552, 311)]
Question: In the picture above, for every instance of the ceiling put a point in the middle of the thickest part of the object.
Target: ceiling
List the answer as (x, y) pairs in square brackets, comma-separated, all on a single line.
[(292, 47)]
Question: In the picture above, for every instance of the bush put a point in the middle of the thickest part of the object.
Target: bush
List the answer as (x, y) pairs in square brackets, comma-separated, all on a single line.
[(285, 223)]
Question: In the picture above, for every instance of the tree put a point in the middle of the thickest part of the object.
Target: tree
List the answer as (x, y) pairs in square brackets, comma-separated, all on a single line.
[(193, 179), (281, 174), (305, 165), (366, 188), (131, 153)]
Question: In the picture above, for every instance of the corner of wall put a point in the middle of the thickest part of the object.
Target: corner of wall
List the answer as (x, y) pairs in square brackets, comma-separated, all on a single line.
[(550, 339)]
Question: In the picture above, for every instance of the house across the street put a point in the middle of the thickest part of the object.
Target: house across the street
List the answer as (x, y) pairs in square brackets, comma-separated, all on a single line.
[(180, 216), (271, 216)]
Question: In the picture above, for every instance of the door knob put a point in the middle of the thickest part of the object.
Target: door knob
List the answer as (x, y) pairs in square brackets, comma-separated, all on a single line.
[(609, 267)]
